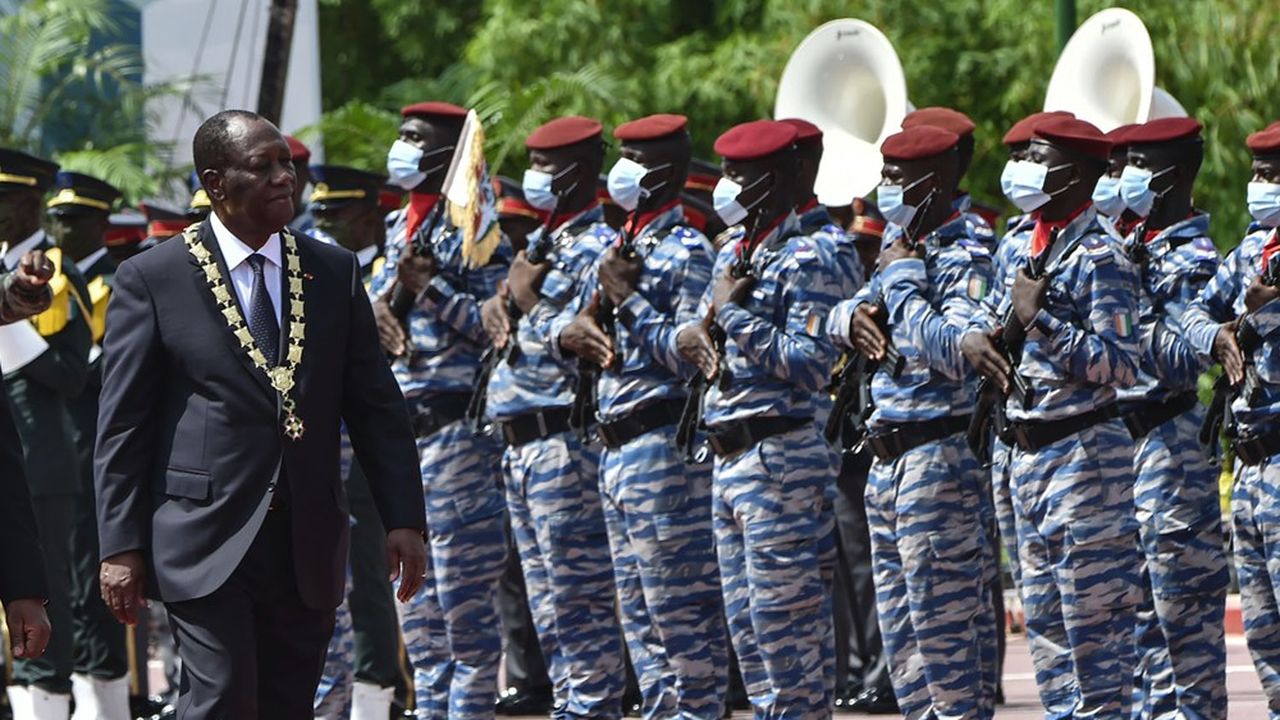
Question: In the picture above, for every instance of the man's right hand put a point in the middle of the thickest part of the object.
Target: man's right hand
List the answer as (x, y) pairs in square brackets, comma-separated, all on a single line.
[(35, 270), (864, 328), (524, 281), (123, 577), (494, 318), (390, 331), (1227, 352), (414, 271), (584, 338), (980, 350), (694, 345), (28, 627)]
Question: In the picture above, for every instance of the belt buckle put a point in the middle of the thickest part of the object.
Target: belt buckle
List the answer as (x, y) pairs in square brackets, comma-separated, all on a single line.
[(542, 423), (607, 436)]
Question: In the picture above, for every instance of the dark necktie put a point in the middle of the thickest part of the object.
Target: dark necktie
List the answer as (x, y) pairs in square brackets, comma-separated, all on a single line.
[(263, 324)]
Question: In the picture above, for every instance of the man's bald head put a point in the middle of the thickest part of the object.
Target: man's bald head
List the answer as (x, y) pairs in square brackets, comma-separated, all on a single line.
[(212, 147)]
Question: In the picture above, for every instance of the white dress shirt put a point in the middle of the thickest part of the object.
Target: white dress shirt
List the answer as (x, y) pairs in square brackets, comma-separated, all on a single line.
[(235, 253), (13, 255)]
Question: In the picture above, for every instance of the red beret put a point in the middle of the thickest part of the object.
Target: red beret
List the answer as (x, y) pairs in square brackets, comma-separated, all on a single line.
[(652, 127), (918, 143), (1119, 137), (1161, 130), (806, 132), (433, 109), (950, 120), (1265, 142), (1023, 129), (301, 153), (1076, 135), (562, 131), (754, 140)]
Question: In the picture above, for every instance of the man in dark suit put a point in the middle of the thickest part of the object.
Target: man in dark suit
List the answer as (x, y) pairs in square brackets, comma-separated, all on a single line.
[(23, 589), (217, 460)]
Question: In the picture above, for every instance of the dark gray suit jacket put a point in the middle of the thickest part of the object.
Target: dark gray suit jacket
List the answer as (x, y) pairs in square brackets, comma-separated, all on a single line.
[(189, 432)]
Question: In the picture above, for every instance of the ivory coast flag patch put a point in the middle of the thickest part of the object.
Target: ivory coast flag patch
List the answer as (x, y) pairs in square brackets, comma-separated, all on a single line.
[(813, 325), (1124, 324), (978, 287)]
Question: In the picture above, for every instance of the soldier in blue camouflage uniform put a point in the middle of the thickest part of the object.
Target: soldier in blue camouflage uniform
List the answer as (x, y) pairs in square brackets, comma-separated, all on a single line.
[(657, 508), (427, 302), (1238, 297), (961, 202), (1182, 655), (1073, 462), (551, 474), (770, 297), (926, 499)]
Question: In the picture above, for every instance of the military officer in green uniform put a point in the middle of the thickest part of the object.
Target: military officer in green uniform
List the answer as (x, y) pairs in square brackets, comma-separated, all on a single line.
[(42, 390)]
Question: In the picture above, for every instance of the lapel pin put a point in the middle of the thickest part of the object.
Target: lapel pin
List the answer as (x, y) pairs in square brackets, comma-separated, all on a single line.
[(308, 276)]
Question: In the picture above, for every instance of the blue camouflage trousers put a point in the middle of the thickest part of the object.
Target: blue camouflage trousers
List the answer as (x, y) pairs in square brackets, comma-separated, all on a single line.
[(451, 628), (1255, 522), (929, 517), (1077, 542), (333, 694), (553, 496), (773, 525), (658, 514), (1181, 648)]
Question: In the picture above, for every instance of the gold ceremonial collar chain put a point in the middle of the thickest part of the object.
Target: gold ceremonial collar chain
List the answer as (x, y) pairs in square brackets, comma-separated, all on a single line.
[(280, 376)]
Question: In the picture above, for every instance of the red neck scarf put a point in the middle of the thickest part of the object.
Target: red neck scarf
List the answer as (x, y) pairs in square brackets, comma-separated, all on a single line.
[(420, 205), (1044, 229), (813, 203), (559, 220), (642, 221)]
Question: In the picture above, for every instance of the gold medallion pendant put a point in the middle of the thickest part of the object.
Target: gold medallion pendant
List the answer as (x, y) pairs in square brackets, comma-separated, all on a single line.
[(281, 377)]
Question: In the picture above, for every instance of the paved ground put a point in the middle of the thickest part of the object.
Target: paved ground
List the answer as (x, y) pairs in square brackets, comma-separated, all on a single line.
[(1246, 698)]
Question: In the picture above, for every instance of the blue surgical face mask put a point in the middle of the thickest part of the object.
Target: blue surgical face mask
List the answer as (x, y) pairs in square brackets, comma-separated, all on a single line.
[(1264, 203), (1106, 196), (626, 182), (1135, 189), (405, 160), (1006, 179), (538, 190), (891, 199), (1026, 188), (725, 200)]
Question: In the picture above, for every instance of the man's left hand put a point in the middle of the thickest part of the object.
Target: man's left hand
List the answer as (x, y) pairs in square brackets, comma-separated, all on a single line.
[(1259, 294), (619, 275), (524, 280), (407, 558), (730, 289), (1028, 296)]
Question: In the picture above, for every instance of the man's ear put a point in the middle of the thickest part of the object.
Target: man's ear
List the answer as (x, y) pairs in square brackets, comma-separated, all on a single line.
[(212, 181)]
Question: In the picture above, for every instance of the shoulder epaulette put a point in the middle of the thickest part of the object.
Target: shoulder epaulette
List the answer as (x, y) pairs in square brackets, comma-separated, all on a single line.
[(1099, 250), (99, 293), (51, 321)]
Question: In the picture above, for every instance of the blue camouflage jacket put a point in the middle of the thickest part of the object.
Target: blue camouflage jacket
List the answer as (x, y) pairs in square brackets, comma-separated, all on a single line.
[(677, 269), (541, 375), (1222, 301), (1082, 346), (777, 347), (446, 337), (929, 303)]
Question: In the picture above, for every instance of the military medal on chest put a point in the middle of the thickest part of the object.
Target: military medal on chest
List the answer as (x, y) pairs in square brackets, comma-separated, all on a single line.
[(280, 376)]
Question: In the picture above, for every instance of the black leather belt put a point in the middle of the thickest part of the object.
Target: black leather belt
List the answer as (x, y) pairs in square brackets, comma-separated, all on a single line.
[(1255, 449), (524, 429), (430, 414), (894, 442), (1151, 415), (1032, 436), (738, 435), (616, 433)]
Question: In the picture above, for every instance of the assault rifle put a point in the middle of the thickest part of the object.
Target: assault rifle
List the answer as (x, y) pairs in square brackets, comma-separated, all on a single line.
[(988, 413)]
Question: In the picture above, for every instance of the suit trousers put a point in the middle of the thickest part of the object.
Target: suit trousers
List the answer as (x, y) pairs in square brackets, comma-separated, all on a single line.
[(252, 648)]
